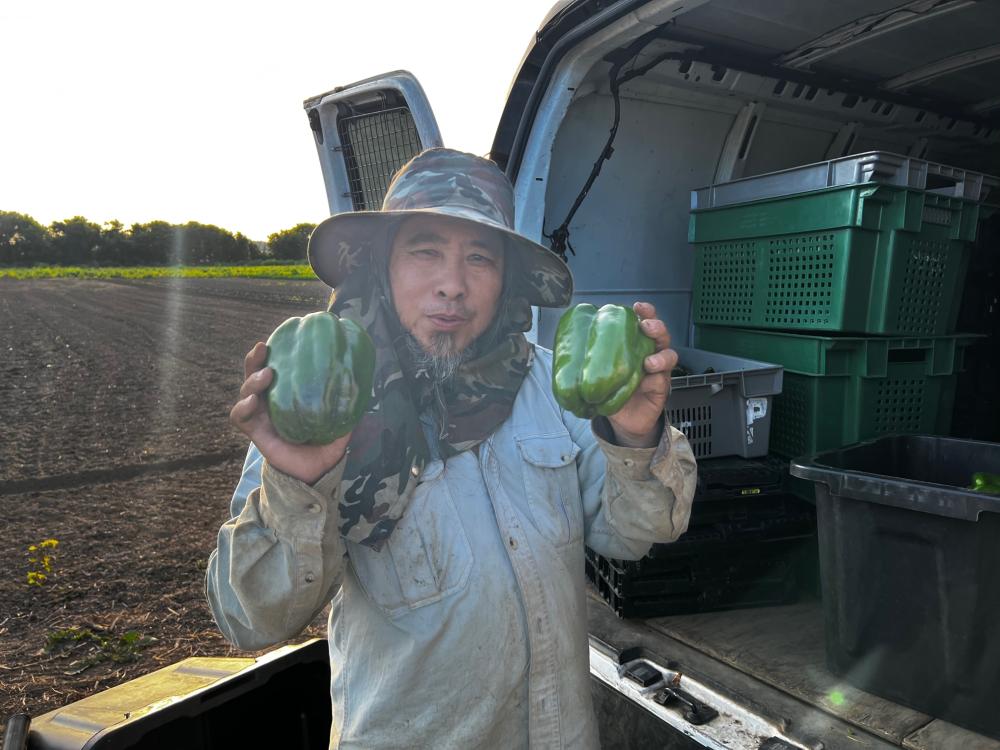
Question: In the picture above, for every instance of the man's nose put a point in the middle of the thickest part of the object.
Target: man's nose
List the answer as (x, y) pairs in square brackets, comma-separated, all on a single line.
[(451, 283)]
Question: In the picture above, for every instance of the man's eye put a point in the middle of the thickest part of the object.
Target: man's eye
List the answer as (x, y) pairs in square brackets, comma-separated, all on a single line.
[(425, 252), (481, 260)]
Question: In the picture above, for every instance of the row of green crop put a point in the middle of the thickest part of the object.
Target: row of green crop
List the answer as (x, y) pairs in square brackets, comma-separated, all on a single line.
[(301, 271)]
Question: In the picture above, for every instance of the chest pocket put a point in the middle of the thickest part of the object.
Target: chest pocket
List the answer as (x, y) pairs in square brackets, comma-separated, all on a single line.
[(426, 559), (552, 486)]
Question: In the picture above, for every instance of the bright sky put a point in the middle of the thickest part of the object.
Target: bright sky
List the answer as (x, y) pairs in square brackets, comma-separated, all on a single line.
[(192, 109)]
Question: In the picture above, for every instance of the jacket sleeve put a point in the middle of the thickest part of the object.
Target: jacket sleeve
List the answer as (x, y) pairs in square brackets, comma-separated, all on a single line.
[(279, 558), (632, 497)]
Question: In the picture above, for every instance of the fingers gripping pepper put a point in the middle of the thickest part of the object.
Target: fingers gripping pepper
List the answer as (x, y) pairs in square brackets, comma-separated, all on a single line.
[(598, 359), (323, 369)]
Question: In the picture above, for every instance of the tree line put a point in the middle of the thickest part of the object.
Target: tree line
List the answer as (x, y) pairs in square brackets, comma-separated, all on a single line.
[(79, 242)]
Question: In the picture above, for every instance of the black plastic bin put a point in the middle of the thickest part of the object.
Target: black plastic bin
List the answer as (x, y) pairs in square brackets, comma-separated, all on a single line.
[(910, 573)]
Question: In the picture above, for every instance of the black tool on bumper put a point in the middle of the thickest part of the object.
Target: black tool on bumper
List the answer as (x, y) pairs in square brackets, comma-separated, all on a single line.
[(694, 711)]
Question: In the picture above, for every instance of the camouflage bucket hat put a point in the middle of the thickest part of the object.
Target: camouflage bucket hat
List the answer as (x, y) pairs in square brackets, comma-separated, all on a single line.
[(457, 185)]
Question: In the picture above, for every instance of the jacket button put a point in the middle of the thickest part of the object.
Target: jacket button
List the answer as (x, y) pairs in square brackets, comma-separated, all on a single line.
[(313, 508), (310, 578), (513, 543), (564, 458)]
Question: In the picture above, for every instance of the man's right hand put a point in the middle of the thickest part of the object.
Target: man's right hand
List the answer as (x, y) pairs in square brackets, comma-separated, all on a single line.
[(305, 462)]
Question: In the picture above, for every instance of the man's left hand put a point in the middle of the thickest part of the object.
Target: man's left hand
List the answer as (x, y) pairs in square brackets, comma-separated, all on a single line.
[(637, 423)]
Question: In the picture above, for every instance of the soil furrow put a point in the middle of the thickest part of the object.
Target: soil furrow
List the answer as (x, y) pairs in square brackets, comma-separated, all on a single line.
[(116, 474)]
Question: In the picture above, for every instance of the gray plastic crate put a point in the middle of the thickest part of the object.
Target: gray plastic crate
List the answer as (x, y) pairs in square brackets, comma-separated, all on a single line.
[(873, 166), (726, 412)]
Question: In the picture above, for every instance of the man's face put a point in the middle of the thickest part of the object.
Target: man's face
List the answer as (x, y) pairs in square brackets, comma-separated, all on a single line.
[(446, 278)]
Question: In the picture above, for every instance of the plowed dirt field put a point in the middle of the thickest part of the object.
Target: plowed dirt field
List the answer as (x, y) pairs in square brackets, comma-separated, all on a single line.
[(114, 440)]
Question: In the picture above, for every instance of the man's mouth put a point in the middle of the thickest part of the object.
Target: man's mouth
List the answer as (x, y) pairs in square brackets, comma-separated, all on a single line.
[(448, 322)]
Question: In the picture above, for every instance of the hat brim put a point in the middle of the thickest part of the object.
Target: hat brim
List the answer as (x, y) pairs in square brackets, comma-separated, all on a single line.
[(540, 276)]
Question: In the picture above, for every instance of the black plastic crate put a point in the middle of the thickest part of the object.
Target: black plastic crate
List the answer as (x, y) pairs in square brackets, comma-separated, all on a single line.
[(726, 478), (909, 562), (753, 563), (736, 567), (780, 587), (705, 545), (737, 489)]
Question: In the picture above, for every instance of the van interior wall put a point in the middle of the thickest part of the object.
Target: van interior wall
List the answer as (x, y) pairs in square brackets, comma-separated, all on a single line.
[(630, 233)]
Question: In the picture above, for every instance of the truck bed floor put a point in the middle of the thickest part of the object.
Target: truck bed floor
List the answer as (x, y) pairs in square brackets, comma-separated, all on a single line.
[(773, 658)]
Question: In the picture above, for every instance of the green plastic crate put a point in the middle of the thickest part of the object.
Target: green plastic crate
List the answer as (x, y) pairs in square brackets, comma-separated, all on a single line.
[(863, 258), (842, 390)]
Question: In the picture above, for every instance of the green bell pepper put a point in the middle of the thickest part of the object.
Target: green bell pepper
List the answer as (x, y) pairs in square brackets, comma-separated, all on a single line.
[(323, 371), (598, 359), (983, 481)]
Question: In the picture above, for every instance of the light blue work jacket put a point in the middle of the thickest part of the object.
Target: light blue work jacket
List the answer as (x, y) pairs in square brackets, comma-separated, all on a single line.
[(469, 628)]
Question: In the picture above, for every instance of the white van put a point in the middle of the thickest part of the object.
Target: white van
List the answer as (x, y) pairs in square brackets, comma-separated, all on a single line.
[(678, 95)]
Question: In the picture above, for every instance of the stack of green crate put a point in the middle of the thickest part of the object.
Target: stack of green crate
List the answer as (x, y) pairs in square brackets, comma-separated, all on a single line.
[(843, 390), (854, 289)]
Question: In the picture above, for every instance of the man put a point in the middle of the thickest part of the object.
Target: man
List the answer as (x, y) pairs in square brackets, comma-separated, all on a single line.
[(449, 528)]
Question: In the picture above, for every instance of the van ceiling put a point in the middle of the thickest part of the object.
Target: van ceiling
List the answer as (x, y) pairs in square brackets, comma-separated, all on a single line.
[(940, 54)]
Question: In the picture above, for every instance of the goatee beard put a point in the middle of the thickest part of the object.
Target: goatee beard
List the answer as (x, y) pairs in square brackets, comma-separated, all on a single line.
[(442, 361)]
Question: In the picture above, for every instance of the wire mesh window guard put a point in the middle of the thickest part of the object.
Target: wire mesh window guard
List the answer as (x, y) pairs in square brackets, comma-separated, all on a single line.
[(375, 146)]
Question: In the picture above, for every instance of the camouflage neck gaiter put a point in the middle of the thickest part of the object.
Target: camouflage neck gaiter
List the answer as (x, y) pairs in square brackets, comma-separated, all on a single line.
[(388, 449)]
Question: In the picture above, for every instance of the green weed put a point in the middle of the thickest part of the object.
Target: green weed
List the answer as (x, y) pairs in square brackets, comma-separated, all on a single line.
[(92, 648)]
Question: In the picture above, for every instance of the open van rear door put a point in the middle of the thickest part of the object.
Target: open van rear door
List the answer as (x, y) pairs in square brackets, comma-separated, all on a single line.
[(367, 130)]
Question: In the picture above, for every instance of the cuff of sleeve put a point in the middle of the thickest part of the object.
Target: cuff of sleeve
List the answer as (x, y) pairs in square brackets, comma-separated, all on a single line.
[(627, 463), (328, 485), (290, 502)]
